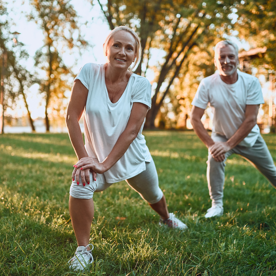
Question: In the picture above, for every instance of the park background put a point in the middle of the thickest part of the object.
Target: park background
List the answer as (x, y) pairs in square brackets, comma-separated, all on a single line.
[(43, 45)]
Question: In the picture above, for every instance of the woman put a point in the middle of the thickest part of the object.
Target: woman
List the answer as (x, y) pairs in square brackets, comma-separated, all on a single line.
[(115, 102)]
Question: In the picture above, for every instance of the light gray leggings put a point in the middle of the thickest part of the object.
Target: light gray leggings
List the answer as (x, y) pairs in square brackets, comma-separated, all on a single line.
[(258, 155), (145, 183)]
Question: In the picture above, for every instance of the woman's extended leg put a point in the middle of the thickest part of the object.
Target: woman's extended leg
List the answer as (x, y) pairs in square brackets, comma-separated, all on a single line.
[(161, 208), (147, 185)]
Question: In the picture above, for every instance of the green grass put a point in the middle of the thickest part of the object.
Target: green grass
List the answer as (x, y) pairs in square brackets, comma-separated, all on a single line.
[(36, 235)]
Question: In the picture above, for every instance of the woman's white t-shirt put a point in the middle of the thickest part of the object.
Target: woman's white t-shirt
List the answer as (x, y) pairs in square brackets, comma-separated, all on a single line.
[(105, 121)]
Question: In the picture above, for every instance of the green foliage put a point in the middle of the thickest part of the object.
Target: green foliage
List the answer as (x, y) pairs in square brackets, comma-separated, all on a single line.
[(16, 78), (171, 33), (257, 24), (58, 21), (5, 54), (37, 238)]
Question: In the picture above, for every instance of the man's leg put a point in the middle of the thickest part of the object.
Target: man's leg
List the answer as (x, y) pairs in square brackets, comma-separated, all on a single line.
[(215, 178), (261, 158)]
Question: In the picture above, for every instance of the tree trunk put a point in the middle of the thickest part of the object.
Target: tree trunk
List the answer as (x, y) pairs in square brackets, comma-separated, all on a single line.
[(31, 121), (185, 120), (149, 124), (4, 58), (48, 91), (28, 110), (3, 108), (47, 122)]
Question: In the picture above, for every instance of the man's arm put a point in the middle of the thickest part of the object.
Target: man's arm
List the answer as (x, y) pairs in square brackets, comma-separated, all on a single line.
[(251, 113), (201, 132)]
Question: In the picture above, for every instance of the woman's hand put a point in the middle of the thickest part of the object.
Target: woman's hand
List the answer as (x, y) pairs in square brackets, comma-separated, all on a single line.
[(83, 176), (90, 163), (83, 167)]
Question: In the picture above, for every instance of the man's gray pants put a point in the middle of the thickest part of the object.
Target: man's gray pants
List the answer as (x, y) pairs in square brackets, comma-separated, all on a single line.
[(258, 155)]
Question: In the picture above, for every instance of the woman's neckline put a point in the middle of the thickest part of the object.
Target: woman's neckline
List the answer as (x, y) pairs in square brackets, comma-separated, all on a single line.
[(107, 94)]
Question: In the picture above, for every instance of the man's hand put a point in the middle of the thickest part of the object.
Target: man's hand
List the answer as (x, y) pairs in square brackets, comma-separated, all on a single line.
[(218, 150)]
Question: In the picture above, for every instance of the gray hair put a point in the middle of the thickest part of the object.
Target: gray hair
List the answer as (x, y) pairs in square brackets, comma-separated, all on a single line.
[(226, 43), (137, 40)]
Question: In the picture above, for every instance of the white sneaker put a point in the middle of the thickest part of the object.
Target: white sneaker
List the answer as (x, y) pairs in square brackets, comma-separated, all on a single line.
[(215, 211), (173, 222), (82, 258)]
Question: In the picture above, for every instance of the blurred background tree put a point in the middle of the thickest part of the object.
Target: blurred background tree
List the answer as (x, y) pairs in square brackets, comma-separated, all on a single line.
[(59, 22), (257, 25), (15, 79), (177, 39), (171, 32), (24, 78)]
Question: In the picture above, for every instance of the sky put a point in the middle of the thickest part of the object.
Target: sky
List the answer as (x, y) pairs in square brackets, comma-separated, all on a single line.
[(31, 36)]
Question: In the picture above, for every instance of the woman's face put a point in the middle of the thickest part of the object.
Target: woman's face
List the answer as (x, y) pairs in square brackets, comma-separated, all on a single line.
[(120, 50)]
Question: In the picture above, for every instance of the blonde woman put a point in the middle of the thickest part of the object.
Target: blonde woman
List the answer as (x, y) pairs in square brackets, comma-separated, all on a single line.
[(115, 102)]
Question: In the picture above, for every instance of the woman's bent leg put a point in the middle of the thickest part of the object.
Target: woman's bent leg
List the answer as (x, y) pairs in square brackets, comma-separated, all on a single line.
[(82, 213), (81, 209)]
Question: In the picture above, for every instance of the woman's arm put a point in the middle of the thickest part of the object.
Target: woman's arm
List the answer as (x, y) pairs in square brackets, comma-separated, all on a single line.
[(136, 119), (74, 112)]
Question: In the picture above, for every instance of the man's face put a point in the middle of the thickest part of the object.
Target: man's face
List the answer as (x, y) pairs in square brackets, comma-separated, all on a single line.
[(226, 60)]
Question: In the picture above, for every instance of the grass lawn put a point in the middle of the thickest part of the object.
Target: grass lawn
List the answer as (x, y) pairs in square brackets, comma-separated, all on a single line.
[(36, 235)]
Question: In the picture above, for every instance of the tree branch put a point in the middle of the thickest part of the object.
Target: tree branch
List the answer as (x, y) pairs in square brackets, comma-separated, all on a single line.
[(148, 56), (174, 76), (108, 15)]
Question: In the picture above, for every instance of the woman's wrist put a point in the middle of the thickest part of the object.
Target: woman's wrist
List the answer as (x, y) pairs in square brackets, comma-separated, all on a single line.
[(105, 165)]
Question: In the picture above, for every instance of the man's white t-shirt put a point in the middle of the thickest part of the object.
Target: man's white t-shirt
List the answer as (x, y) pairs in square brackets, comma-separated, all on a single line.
[(105, 121), (229, 102)]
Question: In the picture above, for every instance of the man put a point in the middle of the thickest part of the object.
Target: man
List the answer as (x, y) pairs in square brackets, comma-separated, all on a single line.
[(235, 98)]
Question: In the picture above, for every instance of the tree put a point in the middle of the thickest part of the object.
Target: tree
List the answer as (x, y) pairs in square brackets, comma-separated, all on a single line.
[(170, 32), (11, 70), (58, 21), (257, 24), (24, 78)]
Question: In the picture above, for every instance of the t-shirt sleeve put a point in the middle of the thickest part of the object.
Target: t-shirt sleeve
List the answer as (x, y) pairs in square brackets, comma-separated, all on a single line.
[(142, 92), (255, 94), (84, 75), (201, 98)]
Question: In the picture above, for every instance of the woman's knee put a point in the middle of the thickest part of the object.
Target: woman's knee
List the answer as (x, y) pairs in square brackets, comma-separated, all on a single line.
[(81, 192), (87, 191)]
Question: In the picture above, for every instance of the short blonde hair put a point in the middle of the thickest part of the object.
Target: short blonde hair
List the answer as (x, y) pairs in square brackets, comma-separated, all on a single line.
[(137, 40)]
